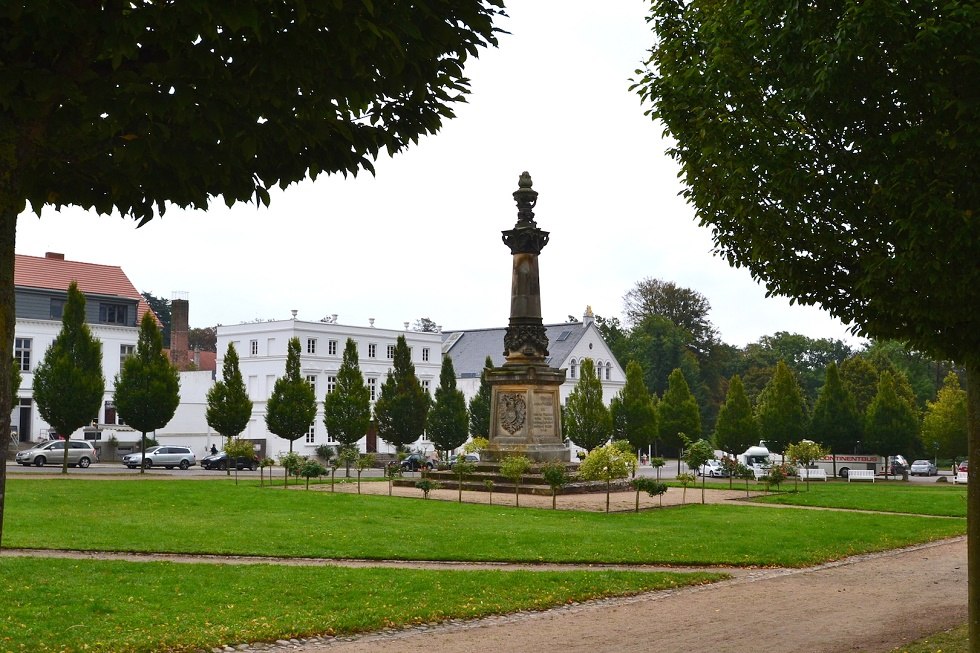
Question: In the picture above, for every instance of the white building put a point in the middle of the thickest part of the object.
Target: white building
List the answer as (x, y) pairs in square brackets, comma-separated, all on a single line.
[(261, 348)]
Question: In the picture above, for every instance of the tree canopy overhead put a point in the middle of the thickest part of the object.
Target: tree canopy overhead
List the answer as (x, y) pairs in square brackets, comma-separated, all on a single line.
[(832, 148), (133, 105)]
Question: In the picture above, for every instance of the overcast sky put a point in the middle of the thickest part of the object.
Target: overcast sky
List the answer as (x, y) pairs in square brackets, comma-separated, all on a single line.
[(422, 238)]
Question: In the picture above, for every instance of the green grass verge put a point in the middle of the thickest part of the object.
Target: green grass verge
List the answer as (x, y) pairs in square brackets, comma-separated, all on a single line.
[(208, 517), (941, 499), (84, 605), (950, 641)]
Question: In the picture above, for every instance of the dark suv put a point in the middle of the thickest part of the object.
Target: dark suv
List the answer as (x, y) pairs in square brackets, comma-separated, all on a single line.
[(220, 461), (415, 462)]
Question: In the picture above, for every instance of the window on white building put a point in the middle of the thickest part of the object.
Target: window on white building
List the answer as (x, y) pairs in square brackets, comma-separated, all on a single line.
[(57, 310), (311, 434), (608, 371), (125, 351), (253, 348), (330, 438), (331, 384), (372, 384), (372, 350), (425, 385), (311, 345), (22, 354), (391, 351), (331, 347), (571, 368), (311, 379), (425, 354)]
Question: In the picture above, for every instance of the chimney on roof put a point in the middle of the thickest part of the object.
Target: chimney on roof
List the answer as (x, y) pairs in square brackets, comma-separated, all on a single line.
[(179, 330), (57, 256), (588, 318)]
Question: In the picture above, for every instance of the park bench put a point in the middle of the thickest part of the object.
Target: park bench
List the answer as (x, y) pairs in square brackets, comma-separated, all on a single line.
[(861, 475), (960, 477), (812, 474)]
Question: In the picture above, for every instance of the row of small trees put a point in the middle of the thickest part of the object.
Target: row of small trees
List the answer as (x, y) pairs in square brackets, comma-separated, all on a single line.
[(889, 423)]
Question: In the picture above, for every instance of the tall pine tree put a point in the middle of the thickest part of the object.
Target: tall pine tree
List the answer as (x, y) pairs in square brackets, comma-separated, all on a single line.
[(891, 426), (403, 406), (780, 410), (587, 420), (448, 418), (347, 409), (68, 385), (634, 413), (679, 412), (229, 407), (480, 405), (148, 386), (835, 423), (292, 406), (736, 428)]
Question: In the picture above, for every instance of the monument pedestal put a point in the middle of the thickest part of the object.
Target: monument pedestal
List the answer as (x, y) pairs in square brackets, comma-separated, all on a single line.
[(526, 412)]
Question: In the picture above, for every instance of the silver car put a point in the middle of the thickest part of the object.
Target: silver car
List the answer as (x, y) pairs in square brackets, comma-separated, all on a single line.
[(923, 468), (164, 455), (52, 452)]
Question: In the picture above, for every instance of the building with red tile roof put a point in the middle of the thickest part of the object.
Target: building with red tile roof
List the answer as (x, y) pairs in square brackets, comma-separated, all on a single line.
[(113, 309)]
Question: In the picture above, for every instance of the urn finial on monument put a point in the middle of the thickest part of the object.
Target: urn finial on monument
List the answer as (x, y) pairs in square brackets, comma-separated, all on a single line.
[(525, 341)]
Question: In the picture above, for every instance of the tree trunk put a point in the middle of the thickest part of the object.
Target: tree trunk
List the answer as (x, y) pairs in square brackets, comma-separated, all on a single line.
[(143, 452), (64, 457), (973, 500), (8, 234)]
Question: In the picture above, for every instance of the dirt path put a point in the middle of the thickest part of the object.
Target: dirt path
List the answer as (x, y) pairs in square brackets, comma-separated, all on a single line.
[(862, 604)]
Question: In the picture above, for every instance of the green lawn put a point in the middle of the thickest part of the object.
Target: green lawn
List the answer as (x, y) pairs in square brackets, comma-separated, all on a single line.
[(85, 605), (942, 499), (951, 641), (216, 517)]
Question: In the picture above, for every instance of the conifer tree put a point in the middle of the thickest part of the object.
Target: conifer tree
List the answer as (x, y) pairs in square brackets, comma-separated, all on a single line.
[(634, 413), (587, 420), (480, 405), (944, 427), (68, 385), (736, 428), (229, 407), (679, 412), (448, 418), (148, 386), (860, 378), (292, 406), (347, 410), (835, 423), (891, 426), (780, 410), (403, 406)]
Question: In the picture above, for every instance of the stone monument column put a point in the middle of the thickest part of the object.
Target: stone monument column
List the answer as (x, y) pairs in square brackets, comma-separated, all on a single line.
[(525, 408)]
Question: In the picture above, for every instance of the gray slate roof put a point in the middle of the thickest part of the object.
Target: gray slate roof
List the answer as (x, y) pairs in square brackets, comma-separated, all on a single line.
[(469, 349)]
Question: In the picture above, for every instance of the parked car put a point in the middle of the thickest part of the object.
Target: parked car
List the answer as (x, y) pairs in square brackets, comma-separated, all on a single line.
[(220, 461), (164, 455), (52, 452), (416, 461), (712, 468), (923, 468), (468, 458), (964, 466)]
